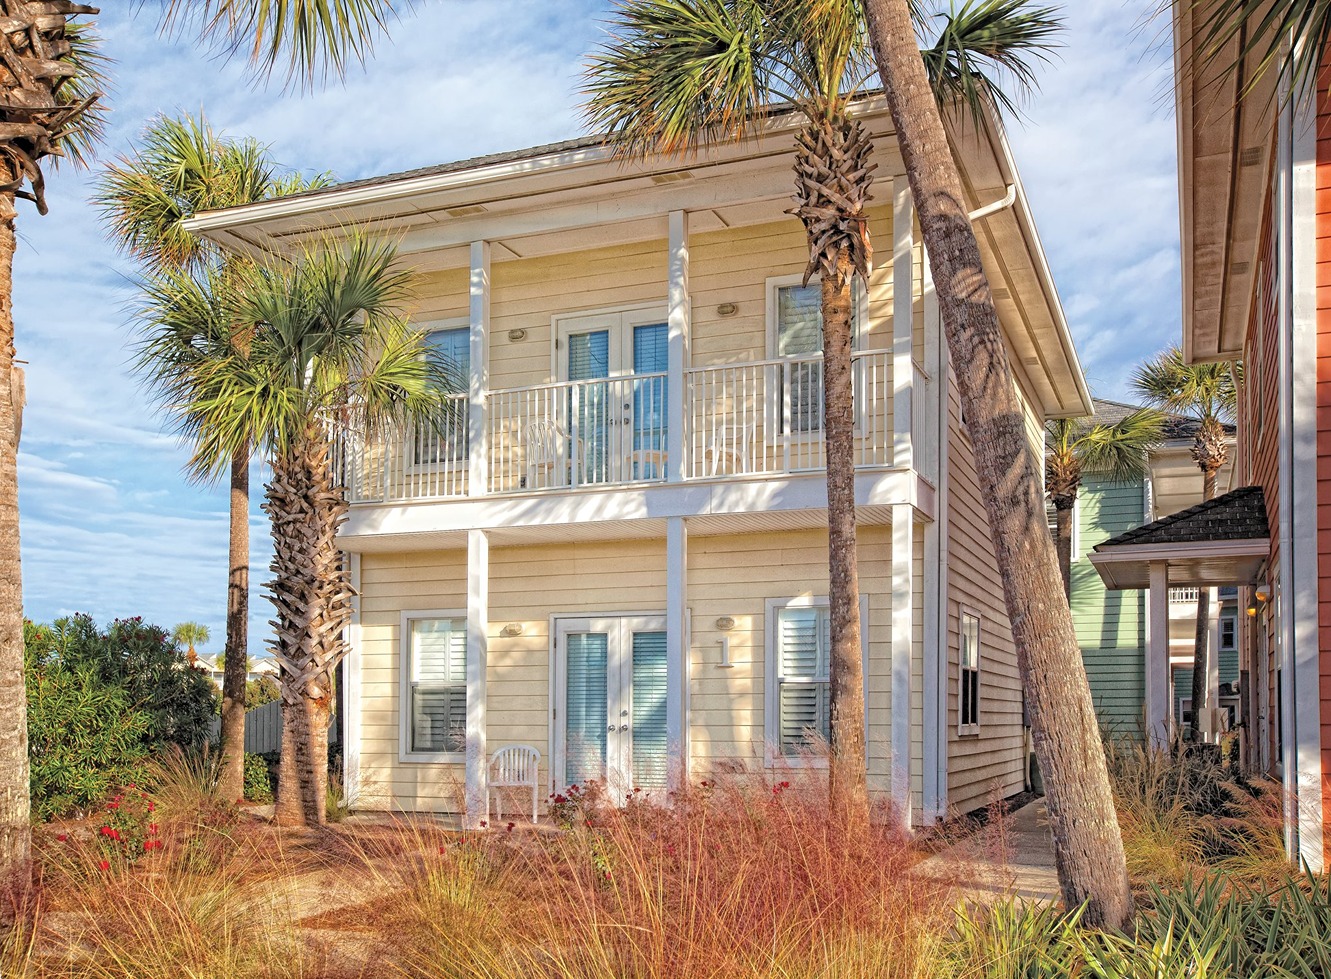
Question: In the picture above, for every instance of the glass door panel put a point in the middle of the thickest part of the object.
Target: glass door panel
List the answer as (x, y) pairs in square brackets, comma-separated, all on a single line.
[(650, 356), (585, 706), (649, 749)]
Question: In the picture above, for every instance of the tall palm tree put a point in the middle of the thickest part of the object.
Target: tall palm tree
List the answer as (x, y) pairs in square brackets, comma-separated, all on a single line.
[(327, 350), (1290, 38), (1206, 392), (181, 168), (49, 85), (189, 635), (1119, 453), (676, 73), (1087, 845)]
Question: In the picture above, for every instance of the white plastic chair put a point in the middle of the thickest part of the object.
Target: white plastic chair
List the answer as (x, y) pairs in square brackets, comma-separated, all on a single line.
[(545, 444), (516, 766)]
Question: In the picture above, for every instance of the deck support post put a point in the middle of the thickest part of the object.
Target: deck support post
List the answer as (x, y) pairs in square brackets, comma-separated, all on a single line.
[(478, 625), (478, 430), (903, 654), (679, 325), (677, 651), (1157, 658), (903, 322)]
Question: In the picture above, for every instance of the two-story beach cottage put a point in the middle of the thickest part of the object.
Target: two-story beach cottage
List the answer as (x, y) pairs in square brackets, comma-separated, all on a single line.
[(620, 558)]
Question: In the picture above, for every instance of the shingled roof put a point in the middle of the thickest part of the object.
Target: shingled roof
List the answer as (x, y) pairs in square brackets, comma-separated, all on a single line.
[(1237, 515)]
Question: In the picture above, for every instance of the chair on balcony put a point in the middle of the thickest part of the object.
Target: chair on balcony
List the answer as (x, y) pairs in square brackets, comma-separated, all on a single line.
[(516, 766), (729, 448), (545, 448)]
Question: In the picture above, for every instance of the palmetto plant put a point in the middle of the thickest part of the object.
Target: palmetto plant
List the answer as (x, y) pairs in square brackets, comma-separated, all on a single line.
[(1088, 848), (1076, 447), (183, 167), (326, 350), (1288, 37), (1206, 392), (678, 74), (50, 76), (190, 635)]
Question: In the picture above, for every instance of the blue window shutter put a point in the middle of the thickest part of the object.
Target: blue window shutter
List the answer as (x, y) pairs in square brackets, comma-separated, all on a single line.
[(585, 709), (650, 749)]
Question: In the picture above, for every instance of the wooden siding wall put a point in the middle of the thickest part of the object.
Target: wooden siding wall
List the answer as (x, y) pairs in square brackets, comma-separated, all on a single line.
[(1111, 625), (728, 576), (1324, 439), (991, 765)]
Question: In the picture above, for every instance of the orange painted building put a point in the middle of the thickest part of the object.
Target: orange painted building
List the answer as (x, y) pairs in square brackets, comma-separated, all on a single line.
[(1255, 209)]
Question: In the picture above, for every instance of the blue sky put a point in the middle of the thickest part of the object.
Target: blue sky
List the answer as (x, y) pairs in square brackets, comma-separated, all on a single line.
[(109, 524)]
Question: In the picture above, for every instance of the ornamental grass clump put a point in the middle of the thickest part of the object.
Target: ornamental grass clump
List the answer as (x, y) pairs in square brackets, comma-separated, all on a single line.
[(739, 877)]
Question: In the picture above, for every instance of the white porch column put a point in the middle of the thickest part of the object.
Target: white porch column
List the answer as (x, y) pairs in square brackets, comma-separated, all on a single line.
[(1213, 665), (478, 624), (478, 429), (351, 676), (934, 799), (1157, 657), (903, 647), (679, 319), (903, 295), (677, 650)]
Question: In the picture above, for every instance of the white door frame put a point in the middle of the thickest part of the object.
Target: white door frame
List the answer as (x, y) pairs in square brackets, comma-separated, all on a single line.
[(619, 627)]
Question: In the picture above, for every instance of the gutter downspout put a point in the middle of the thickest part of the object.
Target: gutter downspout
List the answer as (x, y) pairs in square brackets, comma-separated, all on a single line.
[(1003, 204)]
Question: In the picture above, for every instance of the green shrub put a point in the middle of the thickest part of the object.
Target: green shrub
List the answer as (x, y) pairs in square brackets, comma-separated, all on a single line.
[(261, 690), (258, 779), (84, 738)]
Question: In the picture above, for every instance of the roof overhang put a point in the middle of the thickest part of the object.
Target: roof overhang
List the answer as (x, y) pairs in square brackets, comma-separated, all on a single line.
[(577, 195), (1201, 563), (1225, 153)]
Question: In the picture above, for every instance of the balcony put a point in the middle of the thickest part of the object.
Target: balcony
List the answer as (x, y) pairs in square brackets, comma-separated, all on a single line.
[(740, 421)]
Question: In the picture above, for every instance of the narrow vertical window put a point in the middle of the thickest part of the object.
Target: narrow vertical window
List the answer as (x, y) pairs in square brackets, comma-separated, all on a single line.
[(804, 690), (451, 350), (968, 677)]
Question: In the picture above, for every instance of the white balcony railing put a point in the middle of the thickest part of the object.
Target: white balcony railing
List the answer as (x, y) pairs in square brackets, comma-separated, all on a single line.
[(1183, 596), (751, 419)]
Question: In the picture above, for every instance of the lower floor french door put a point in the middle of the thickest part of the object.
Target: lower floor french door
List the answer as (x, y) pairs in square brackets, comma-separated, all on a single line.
[(610, 704)]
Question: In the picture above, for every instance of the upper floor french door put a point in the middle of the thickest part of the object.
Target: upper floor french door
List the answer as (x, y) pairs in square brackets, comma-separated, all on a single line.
[(617, 406)]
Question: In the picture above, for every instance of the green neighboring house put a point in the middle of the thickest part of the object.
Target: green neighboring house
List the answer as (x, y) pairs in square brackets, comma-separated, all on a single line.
[(1111, 625)]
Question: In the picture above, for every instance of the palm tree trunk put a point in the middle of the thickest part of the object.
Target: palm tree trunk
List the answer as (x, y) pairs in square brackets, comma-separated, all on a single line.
[(15, 827), (1087, 846), (1063, 538), (311, 591), (1202, 637), (847, 761), (232, 782)]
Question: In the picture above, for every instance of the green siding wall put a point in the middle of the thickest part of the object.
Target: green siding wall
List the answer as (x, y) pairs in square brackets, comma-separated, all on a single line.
[(1111, 625)]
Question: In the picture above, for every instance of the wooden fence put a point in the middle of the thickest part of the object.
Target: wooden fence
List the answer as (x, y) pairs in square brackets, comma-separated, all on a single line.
[(263, 728)]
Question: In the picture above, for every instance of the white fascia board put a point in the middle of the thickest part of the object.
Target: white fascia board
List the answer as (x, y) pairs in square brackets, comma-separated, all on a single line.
[(1182, 25)]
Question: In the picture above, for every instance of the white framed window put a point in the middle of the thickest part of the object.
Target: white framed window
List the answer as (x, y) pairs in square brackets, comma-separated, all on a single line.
[(968, 673), (434, 686), (448, 343), (795, 334), (1229, 629), (799, 689)]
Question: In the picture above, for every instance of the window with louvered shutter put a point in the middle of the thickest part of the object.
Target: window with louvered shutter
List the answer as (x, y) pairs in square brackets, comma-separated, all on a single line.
[(585, 711), (803, 637), (649, 711), (437, 667), (968, 676)]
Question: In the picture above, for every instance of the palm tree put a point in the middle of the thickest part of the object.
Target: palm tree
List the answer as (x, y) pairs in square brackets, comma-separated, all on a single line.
[(1119, 453), (1206, 392), (1087, 845), (190, 634), (327, 350), (678, 72), (49, 88), (1290, 38), (182, 168)]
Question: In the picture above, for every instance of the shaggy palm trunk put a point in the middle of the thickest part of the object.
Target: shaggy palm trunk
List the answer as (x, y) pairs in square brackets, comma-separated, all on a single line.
[(232, 781), (15, 829), (1201, 655), (312, 593), (832, 179), (1063, 542), (1087, 846)]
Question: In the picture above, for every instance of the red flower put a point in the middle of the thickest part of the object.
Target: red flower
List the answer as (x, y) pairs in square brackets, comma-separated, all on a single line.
[(152, 829), (442, 849), (113, 805), (151, 807), (560, 800), (105, 865), (484, 824), (62, 837), (510, 826)]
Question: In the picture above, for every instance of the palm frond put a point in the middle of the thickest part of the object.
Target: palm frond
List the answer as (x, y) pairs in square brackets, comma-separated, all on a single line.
[(677, 72), (1204, 391), (87, 86), (1288, 37), (1120, 452), (311, 38), (987, 53)]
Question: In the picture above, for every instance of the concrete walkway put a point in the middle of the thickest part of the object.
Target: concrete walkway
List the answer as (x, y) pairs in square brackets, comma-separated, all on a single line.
[(1012, 857)]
